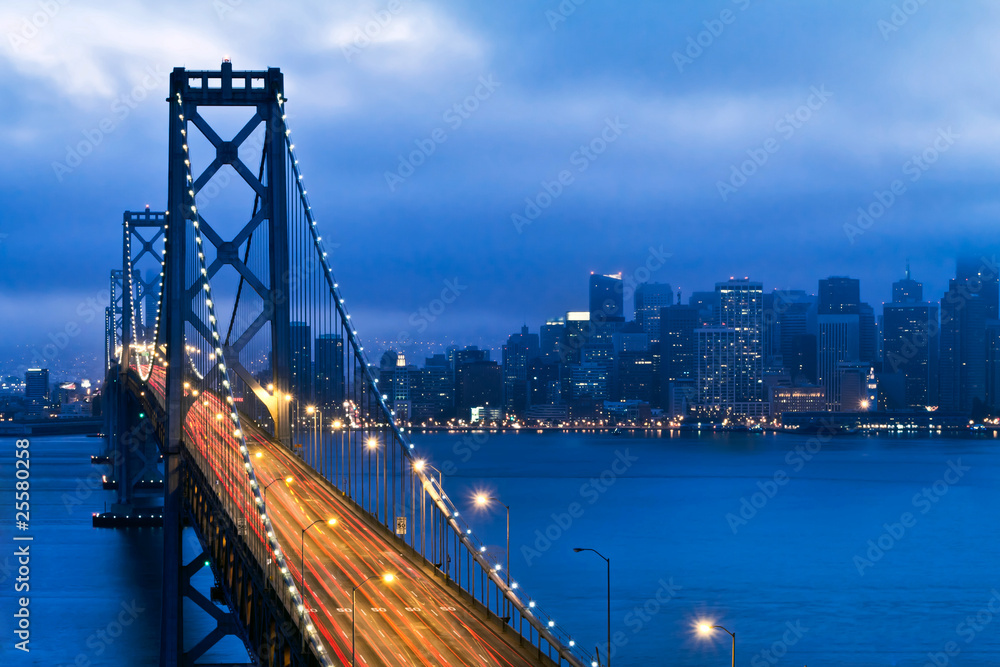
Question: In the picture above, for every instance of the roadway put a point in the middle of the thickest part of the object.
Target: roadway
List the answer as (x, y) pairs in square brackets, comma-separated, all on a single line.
[(412, 621)]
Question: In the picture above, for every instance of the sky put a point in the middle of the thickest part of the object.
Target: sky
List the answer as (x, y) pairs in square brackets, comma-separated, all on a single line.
[(679, 142)]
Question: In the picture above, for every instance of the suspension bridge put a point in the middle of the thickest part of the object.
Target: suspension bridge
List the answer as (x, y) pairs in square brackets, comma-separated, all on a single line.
[(244, 418)]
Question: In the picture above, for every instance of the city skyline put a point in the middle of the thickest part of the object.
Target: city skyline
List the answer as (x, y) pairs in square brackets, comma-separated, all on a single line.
[(451, 219)]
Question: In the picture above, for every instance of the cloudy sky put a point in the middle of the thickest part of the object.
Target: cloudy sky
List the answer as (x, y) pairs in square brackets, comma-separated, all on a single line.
[(736, 136)]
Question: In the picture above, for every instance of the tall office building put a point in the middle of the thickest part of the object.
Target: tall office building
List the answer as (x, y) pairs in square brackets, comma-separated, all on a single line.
[(963, 372), (635, 378), (650, 299), (741, 308), (907, 290), (707, 304), (519, 351), (544, 383), (910, 346), (716, 385), (550, 337), (979, 277), (607, 298), (36, 385), (837, 341), (301, 362), (576, 334), (432, 393), (479, 385), (839, 295), (329, 369), (679, 349), (867, 333), (678, 354)]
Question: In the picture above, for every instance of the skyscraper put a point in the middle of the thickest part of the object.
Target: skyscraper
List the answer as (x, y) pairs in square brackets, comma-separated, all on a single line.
[(907, 290), (36, 385), (650, 298), (964, 315), (716, 383), (910, 346), (839, 295), (329, 369), (550, 337), (519, 351), (741, 308), (837, 341), (301, 366), (607, 298)]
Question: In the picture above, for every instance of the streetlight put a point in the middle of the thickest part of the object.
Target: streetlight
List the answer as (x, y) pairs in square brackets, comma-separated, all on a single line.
[(483, 500), (608, 561), (302, 558), (386, 578), (419, 465), (373, 444), (706, 629), (288, 480), (313, 410)]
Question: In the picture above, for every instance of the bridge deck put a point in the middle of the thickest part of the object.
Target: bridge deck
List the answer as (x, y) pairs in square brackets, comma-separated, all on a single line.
[(416, 620), (419, 619)]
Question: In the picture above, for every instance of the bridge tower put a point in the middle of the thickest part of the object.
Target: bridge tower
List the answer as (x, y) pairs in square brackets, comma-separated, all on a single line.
[(263, 279)]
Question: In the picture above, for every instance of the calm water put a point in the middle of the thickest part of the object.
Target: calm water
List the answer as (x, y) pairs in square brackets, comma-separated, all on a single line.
[(794, 576)]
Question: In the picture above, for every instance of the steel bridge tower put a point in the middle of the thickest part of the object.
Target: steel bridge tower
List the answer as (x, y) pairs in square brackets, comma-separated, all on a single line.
[(191, 91)]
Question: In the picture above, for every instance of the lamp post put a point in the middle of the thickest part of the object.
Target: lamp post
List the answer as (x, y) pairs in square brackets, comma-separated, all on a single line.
[(374, 444), (608, 561), (313, 410), (288, 480), (706, 629), (387, 578), (420, 465), (483, 501), (302, 559)]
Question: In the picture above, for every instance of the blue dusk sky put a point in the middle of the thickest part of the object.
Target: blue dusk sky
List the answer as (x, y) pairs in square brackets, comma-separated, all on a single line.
[(701, 140)]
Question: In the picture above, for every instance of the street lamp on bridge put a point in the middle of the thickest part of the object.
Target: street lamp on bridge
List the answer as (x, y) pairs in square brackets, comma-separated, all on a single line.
[(483, 500), (386, 578), (420, 465), (288, 480), (608, 561), (706, 629), (302, 561)]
